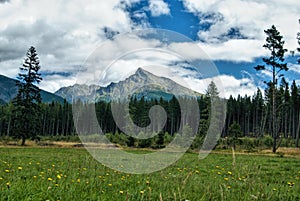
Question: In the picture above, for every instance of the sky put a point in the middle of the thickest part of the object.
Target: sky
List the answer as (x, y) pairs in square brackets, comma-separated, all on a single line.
[(68, 35)]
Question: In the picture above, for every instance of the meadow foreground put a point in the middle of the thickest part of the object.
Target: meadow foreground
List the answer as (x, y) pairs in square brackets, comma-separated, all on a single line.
[(72, 174)]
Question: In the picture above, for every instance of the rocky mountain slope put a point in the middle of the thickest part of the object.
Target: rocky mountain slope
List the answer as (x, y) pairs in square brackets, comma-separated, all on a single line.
[(142, 83)]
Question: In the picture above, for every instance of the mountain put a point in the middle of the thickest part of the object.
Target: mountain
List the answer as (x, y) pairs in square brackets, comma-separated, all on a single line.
[(142, 83), (8, 90)]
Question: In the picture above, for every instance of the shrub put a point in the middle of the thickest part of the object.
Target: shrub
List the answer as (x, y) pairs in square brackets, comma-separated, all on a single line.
[(268, 141)]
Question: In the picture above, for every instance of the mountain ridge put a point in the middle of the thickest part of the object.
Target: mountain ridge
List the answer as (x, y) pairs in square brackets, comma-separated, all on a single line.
[(141, 83), (8, 90)]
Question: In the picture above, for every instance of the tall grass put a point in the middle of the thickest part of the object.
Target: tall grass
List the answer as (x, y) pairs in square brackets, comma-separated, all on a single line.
[(72, 174)]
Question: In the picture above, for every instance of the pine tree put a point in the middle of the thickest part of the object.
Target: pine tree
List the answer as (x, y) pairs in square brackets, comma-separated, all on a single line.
[(258, 116), (235, 132), (216, 116), (298, 127), (274, 64), (26, 103), (298, 49)]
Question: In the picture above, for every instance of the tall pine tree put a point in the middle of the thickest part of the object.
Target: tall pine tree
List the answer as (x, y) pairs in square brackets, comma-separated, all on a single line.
[(298, 127), (28, 99), (274, 64)]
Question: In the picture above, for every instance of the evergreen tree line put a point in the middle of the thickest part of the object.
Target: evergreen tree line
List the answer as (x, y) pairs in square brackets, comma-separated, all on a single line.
[(52, 119), (252, 114)]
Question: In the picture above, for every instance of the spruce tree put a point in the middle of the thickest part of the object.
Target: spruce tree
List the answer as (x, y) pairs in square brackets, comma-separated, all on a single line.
[(28, 99)]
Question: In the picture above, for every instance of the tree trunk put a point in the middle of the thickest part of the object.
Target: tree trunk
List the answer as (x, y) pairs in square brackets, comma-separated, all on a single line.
[(8, 126), (298, 132), (23, 140), (285, 123), (274, 130)]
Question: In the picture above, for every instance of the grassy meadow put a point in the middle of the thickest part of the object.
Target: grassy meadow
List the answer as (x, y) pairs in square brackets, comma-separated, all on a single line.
[(35, 173)]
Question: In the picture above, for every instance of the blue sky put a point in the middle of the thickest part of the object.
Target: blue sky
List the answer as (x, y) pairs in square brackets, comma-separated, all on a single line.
[(230, 32)]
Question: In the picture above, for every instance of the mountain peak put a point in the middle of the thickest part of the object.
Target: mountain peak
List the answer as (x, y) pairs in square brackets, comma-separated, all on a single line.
[(140, 69), (142, 72)]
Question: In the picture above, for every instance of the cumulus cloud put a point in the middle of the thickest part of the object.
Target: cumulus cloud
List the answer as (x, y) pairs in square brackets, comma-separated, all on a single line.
[(238, 50), (158, 7), (248, 18), (64, 33)]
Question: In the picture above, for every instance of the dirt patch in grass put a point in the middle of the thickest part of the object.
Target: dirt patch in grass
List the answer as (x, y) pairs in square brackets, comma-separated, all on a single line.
[(284, 151), (56, 144)]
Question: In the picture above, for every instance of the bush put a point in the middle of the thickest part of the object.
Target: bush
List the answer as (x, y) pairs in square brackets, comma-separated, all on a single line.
[(69, 138), (268, 141), (197, 143), (168, 138), (6, 139)]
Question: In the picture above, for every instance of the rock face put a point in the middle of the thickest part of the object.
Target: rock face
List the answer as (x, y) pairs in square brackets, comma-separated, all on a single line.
[(75, 92), (8, 90), (142, 83)]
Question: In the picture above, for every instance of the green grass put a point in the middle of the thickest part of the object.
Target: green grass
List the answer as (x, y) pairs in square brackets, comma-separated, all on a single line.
[(72, 174)]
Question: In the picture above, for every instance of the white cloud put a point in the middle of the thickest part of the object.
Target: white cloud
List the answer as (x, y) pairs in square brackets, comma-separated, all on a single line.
[(237, 50), (227, 85), (295, 68), (189, 50), (250, 17), (158, 7), (54, 82), (10, 67), (64, 32)]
